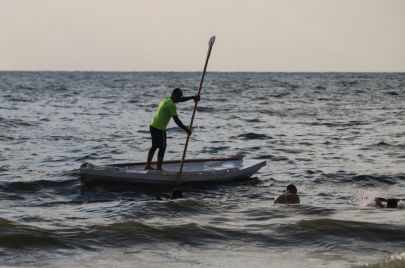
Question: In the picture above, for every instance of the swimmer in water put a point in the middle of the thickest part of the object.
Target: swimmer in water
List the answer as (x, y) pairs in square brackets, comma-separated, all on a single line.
[(389, 202), (176, 194), (289, 197)]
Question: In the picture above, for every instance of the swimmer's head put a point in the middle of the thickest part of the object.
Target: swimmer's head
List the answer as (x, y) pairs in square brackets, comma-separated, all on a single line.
[(291, 189), (392, 203), (177, 194)]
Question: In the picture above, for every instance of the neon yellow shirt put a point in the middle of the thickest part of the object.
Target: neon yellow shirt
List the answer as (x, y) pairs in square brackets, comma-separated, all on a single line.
[(165, 111)]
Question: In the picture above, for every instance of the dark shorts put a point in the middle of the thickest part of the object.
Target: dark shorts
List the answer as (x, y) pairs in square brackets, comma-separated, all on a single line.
[(158, 137)]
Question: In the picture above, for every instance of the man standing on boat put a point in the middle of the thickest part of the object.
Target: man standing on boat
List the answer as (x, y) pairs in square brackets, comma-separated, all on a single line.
[(165, 111)]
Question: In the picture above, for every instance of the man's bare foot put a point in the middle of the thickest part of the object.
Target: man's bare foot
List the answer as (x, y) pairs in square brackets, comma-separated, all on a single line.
[(149, 168)]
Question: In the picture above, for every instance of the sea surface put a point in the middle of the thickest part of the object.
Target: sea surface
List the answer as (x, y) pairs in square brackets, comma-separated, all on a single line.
[(339, 137)]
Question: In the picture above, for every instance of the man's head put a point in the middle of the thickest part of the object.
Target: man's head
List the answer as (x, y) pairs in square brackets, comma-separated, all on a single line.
[(291, 189), (177, 94), (177, 194), (392, 203)]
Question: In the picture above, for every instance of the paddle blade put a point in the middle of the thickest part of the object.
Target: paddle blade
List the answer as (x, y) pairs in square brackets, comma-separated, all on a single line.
[(212, 41)]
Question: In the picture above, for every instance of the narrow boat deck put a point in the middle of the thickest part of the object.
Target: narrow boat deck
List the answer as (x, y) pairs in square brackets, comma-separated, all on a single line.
[(194, 166)]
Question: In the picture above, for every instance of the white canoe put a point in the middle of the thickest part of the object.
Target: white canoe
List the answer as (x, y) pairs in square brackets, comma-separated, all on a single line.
[(194, 171)]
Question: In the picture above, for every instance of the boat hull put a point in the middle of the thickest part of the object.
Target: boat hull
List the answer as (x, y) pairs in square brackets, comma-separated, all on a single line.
[(194, 171)]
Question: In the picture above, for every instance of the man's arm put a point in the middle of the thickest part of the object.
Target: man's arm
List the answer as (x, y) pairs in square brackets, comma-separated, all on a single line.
[(195, 98), (181, 125)]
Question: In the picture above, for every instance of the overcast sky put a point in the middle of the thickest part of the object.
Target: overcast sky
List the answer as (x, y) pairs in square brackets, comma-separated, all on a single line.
[(172, 35)]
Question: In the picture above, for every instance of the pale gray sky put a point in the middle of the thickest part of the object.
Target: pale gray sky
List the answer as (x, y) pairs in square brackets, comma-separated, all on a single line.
[(172, 35)]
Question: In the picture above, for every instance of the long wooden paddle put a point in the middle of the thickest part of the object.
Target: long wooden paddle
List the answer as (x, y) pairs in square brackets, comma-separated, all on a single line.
[(210, 44)]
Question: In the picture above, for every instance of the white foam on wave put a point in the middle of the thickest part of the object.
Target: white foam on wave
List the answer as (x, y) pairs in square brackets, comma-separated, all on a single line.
[(366, 198), (395, 261)]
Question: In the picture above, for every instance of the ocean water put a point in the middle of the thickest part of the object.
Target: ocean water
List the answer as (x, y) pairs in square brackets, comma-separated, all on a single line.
[(339, 137)]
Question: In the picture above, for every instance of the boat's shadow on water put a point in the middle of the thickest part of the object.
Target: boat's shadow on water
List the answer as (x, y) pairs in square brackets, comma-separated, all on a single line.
[(89, 188)]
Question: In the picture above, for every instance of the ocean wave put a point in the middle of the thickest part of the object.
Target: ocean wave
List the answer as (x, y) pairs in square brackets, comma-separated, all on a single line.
[(214, 150), (52, 87), (392, 93), (91, 156), (280, 95), (338, 124), (126, 233), (4, 137), (37, 185), (253, 136), (5, 122), (15, 235), (312, 210), (63, 138), (361, 179), (348, 83), (384, 145), (4, 168), (206, 109), (395, 261), (375, 179), (273, 157), (365, 231)]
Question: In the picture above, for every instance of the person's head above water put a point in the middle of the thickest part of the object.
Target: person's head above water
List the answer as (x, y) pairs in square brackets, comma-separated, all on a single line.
[(289, 196), (174, 195), (177, 194), (291, 189), (392, 203), (177, 94)]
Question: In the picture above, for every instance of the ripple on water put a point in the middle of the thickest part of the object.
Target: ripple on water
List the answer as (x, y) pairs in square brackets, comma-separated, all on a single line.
[(327, 133)]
